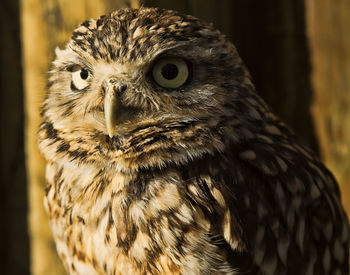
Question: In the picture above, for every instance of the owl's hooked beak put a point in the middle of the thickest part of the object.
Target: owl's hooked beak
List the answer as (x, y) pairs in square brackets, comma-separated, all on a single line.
[(111, 105)]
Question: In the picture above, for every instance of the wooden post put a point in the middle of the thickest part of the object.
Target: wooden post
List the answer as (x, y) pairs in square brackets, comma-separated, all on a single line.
[(47, 24), (14, 239), (328, 24)]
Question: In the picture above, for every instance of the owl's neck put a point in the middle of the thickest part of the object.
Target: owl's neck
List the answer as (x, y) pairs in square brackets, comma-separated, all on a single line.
[(134, 214)]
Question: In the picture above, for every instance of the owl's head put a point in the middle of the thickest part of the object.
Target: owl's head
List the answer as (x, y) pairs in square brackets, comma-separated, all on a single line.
[(136, 83)]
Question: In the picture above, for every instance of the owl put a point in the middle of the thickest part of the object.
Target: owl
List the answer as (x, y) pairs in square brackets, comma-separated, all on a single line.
[(163, 159)]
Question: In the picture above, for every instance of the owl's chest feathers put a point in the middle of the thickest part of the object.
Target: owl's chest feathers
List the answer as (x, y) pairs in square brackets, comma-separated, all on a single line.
[(136, 220)]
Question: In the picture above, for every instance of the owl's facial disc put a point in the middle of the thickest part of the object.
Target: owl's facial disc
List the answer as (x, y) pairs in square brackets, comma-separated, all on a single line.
[(172, 74)]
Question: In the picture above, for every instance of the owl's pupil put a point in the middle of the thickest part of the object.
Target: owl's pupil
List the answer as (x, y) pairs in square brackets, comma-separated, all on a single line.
[(170, 71), (84, 74)]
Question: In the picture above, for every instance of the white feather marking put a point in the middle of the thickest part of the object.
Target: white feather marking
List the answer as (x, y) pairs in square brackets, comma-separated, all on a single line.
[(282, 164), (260, 234), (84, 267), (138, 249), (168, 237), (137, 32), (262, 212), (327, 260), (300, 234), (269, 266), (248, 155), (259, 254), (279, 192), (328, 231), (282, 249), (227, 226), (296, 202), (310, 268), (247, 201), (314, 191), (167, 198), (234, 244), (136, 211), (218, 197), (338, 251), (185, 214)]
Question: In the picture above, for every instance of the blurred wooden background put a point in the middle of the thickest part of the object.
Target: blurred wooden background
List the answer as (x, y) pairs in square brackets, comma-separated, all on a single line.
[(298, 53)]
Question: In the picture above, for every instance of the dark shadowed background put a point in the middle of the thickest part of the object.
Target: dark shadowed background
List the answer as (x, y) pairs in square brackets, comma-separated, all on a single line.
[(298, 53)]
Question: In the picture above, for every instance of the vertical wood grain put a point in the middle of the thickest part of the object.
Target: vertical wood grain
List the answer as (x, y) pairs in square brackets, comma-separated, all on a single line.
[(45, 25), (328, 23), (14, 240)]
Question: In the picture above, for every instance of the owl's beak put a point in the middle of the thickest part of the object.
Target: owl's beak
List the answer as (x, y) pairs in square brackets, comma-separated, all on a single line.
[(111, 105)]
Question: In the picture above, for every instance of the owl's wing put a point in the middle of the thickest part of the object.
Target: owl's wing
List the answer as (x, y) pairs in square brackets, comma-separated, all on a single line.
[(279, 209)]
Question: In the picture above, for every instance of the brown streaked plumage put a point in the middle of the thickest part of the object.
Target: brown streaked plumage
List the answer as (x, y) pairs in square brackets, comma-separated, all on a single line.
[(162, 159)]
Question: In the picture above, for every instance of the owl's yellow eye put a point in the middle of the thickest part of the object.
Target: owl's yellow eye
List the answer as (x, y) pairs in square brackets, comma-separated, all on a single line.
[(170, 72), (81, 78)]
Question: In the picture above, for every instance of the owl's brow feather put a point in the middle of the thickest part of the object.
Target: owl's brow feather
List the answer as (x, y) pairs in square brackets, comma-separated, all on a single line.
[(178, 46), (82, 58)]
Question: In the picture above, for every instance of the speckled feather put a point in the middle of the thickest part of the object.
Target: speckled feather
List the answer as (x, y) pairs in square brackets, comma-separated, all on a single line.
[(202, 179)]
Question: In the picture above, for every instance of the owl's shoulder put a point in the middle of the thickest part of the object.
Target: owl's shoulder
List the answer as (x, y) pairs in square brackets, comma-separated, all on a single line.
[(284, 205)]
